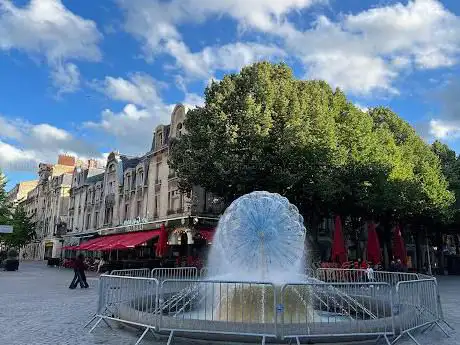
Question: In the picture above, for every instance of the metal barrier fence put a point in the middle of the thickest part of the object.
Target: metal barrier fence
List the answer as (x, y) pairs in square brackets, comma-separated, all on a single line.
[(239, 308), (353, 310), (179, 273), (336, 275), (138, 272), (131, 300), (323, 311), (418, 300)]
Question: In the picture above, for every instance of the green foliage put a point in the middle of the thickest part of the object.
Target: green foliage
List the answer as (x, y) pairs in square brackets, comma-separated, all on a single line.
[(262, 129), (5, 212), (23, 229)]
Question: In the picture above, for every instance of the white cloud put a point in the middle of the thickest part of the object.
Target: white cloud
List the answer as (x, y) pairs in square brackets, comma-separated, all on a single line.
[(155, 21), (16, 159), (441, 129), (140, 89), (131, 129), (362, 53), (32, 143), (66, 78), (229, 57), (193, 100), (47, 28), (446, 125)]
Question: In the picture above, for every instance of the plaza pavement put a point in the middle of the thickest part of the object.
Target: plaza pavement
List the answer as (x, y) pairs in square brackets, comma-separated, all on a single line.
[(38, 308)]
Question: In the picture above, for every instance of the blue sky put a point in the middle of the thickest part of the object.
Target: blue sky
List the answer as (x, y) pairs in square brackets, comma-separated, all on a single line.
[(86, 78)]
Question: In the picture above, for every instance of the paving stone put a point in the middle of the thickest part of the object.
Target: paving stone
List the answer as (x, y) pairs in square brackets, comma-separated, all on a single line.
[(38, 308)]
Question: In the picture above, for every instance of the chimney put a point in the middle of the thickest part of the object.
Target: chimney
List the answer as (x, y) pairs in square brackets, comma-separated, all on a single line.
[(92, 163), (66, 160)]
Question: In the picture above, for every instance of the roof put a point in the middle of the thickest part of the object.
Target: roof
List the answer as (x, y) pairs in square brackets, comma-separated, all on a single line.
[(90, 172), (95, 178), (129, 162)]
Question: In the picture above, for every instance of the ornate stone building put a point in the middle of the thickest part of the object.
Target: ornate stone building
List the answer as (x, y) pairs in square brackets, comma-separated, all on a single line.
[(140, 193), (75, 201), (20, 191), (47, 204)]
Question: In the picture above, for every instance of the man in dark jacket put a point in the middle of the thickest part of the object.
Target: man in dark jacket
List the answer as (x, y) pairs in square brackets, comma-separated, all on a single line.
[(79, 270)]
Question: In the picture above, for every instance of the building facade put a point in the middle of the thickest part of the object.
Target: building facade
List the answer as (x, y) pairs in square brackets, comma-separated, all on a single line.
[(139, 193), (20, 191), (74, 200), (47, 204)]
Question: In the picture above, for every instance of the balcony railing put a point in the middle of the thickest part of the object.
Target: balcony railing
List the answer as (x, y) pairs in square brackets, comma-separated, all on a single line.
[(169, 212)]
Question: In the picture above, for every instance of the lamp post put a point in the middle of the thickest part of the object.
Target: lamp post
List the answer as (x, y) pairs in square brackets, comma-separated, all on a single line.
[(428, 253)]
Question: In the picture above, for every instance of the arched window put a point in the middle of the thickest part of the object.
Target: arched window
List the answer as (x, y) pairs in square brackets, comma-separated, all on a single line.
[(179, 129)]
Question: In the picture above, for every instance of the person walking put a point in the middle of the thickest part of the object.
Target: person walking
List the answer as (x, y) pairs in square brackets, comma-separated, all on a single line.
[(79, 276)]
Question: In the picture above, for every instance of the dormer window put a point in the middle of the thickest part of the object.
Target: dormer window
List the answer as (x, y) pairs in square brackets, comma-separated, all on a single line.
[(159, 141)]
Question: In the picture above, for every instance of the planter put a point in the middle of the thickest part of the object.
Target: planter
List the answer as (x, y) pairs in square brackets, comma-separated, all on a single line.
[(11, 264)]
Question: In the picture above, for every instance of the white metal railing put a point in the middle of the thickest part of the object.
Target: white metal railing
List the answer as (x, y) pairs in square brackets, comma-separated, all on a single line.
[(311, 310), (137, 272), (357, 310)]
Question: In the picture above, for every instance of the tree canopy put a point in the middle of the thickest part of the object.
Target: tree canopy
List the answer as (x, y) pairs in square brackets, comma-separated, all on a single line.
[(263, 129), (23, 229), (5, 212)]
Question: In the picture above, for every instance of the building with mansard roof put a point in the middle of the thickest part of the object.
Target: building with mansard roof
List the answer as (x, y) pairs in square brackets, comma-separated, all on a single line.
[(136, 194)]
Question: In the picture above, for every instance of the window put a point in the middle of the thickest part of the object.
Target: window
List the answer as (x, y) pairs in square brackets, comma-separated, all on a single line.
[(96, 216), (139, 208), (156, 204), (126, 211), (179, 130), (157, 173), (88, 220), (140, 175)]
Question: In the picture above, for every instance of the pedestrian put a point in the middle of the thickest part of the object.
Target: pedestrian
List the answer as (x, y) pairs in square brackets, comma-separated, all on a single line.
[(79, 276)]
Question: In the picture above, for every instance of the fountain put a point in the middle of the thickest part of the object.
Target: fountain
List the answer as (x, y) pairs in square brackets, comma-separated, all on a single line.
[(261, 237), (257, 287)]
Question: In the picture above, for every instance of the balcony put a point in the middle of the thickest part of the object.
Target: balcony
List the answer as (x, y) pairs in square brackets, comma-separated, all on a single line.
[(170, 212), (110, 200), (180, 210)]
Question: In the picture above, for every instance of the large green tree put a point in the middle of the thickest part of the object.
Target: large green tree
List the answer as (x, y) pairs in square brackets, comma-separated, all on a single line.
[(23, 229), (4, 207), (263, 129)]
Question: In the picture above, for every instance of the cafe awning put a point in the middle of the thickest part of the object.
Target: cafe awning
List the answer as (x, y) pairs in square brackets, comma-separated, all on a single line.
[(123, 241), (207, 234), (87, 245)]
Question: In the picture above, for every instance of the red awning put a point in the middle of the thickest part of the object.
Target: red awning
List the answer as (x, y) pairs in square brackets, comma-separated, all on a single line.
[(339, 251), (399, 248), (208, 235), (86, 245), (162, 244), (373, 245), (106, 242), (130, 240)]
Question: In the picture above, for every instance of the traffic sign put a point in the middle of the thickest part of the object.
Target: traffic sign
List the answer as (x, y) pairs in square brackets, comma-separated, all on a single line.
[(6, 229)]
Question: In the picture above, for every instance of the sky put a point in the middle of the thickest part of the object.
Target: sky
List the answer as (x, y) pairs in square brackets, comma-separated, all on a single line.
[(89, 77)]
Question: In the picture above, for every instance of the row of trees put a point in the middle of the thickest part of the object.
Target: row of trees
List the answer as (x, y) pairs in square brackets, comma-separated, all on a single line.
[(263, 129), (14, 215)]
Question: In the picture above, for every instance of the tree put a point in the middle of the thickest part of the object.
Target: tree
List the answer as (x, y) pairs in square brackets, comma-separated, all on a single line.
[(23, 229), (262, 129), (5, 212)]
